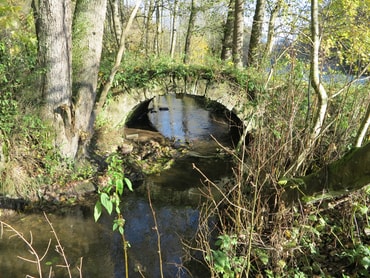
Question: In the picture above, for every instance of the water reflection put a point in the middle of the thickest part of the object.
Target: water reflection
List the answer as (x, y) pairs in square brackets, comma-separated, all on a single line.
[(184, 118), (100, 247)]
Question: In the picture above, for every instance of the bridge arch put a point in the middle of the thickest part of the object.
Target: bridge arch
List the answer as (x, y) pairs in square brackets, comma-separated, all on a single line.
[(118, 108)]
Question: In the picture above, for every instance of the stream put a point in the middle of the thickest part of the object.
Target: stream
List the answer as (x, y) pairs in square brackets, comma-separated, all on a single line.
[(187, 121)]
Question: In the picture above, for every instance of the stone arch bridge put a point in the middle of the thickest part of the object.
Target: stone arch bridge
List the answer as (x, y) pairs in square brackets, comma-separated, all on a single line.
[(119, 108)]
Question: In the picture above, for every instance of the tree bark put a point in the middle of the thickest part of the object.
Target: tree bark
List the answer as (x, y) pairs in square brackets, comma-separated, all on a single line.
[(227, 40), (71, 120), (256, 33), (115, 8), (271, 27), (189, 33), (174, 28), (347, 174), (158, 23), (237, 49), (88, 28), (148, 20), (54, 33), (315, 72)]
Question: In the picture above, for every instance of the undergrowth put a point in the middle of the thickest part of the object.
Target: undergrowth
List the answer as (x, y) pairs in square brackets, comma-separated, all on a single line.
[(258, 231)]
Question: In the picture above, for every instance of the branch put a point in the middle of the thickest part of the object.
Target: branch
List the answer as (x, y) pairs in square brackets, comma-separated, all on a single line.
[(117, 62)]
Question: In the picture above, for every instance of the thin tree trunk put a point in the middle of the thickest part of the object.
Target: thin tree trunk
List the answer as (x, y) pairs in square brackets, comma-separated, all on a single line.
[(148, 21), (271, 27), (363, 128), (174, 28), (238, 33), (315, 72), (189, 33), (256, 33), (118, 60), (115, 6), (158, 33), (316, 85), (227, 40)]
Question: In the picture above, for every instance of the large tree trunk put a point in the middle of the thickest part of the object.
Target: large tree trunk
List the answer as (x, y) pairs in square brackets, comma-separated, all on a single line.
[(227, 40), (71, 121), (189, 33), (256, 33), (237, 49), (347, 174), (54, 33), (88, 28)]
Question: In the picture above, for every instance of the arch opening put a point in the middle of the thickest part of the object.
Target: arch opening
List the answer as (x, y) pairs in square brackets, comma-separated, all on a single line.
[(186, 118)]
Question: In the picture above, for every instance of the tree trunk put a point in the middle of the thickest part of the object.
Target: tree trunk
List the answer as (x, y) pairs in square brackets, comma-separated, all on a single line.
[(158, 33), (316, 85), (256, 34), (363, 128), (237, 49), (189, 33), (54, 33), (227, 40), (174, 29), (115, 8), (315, 73), (271, 27), (341, 177), (88, 28), (148, 20), (72, 122)]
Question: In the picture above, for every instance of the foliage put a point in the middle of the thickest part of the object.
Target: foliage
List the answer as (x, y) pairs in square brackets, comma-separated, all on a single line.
[(109, 196), (226, 260), (347, 32), (146, 73), (8, 111)]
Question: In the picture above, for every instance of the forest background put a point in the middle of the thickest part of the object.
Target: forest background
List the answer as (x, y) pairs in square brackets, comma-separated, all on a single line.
[(303, 65)]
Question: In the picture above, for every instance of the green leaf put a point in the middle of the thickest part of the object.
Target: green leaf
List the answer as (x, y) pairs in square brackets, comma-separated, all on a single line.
[(119, 186), (283, 182), (106, 202), (365, 262), (121, 230), (129, 184), (97, 211)]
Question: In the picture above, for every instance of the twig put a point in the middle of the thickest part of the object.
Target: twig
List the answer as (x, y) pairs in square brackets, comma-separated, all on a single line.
[(37, 261), (59, 247), (158, 234)]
